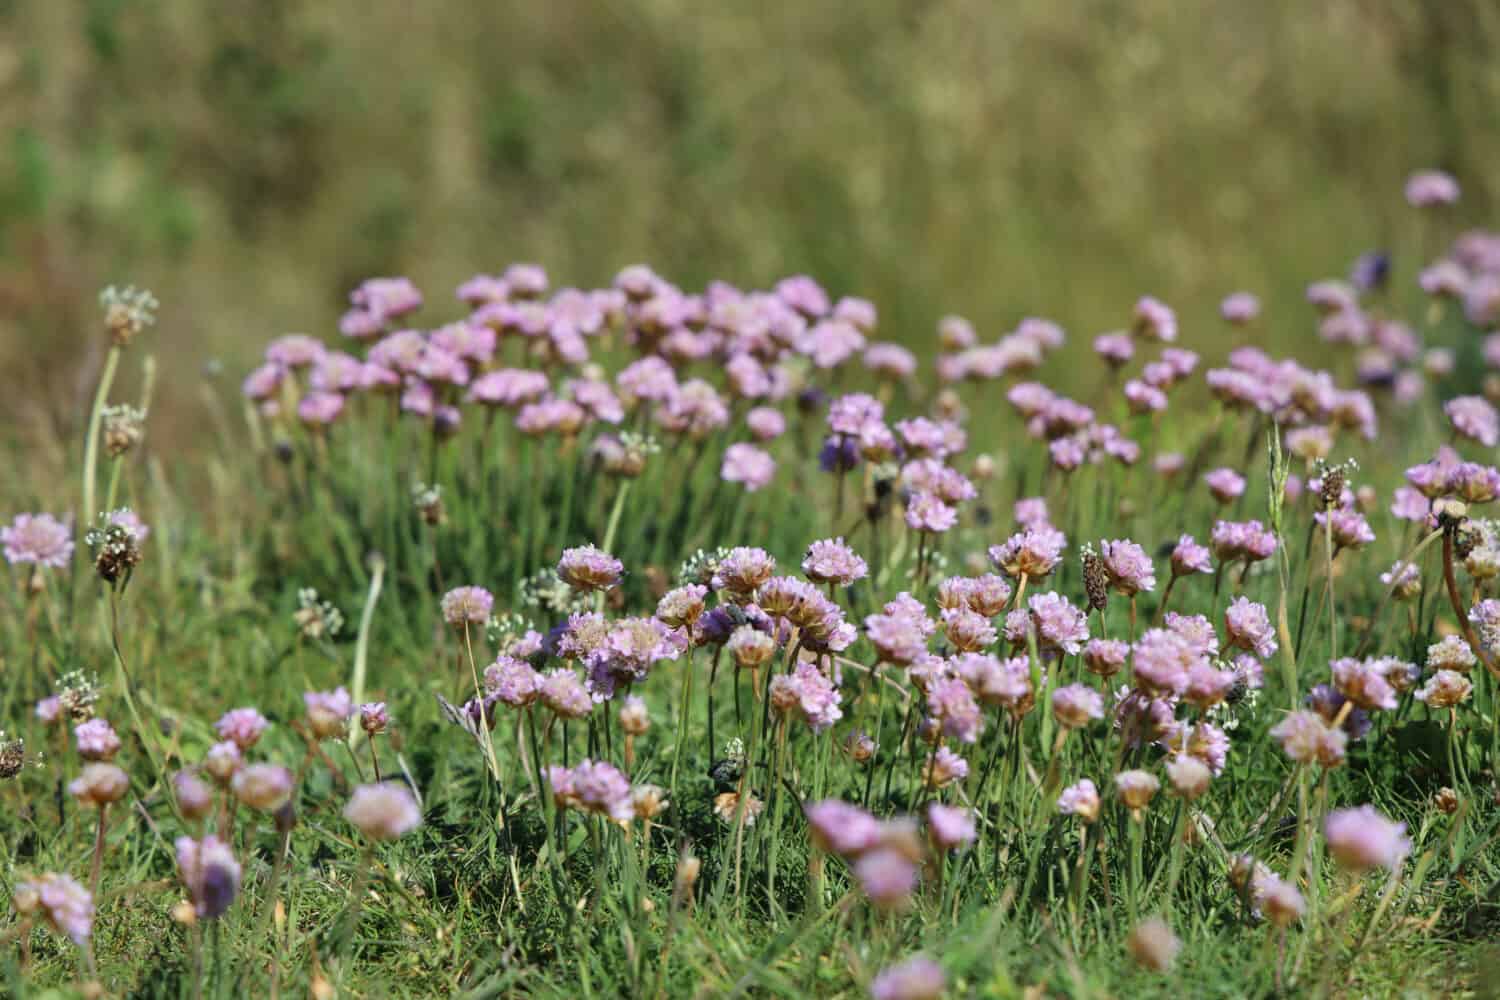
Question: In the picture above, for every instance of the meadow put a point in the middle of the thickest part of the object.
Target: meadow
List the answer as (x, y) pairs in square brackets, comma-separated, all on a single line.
[(659, 640)]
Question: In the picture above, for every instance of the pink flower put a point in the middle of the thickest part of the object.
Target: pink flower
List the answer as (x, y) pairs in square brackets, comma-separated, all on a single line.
[(1059, 625), (1306, 737), (1033, 552), (588, 568), (467, 606), (927, 512), (1190, 557), (840, 828), (747, 465), (241, 726), (1154, 320), (1428, 188), (1130, 569), (1239, 308), (917, 978), (1225, 484), (1474, 418), (96, 740), (1361, 839), (385, 811), (38, 539), (1248, 626), (831, 561), (1081, 800), (950, 826), (1075, 704), (887, 876)]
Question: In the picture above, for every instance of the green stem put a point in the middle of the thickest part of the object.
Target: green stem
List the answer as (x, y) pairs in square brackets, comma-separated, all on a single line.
[(91, 443)]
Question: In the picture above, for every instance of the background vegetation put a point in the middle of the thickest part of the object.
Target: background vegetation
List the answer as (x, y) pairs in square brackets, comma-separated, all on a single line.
[(250, 160)]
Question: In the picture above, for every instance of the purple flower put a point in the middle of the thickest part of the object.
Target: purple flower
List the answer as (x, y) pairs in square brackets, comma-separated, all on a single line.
[(564, 693), (328, 711), (1306, 737), (1033, 552), (840, 828), (1225, 484), (1349, 528), (1428, 188), (241, 726), (887, 877), (386, 811), (1161, 662), (1361, 839), (850, 415), (1081, 800), (40, 539), (467, 606), (66, 906), (1190, 557), (1248, 626), (1075, 704), (1239, 308), (1130, 569), (1105, 657), (1060, 627), (950, 826), (1474, 418), (748, 465), (742, 571), (951, 705), (1154, 320), (596, 787), (1363, 682), (927, 512), (514, 681), (588, 568), (210, 873), (96, 740), (319, 409), (831, 561), (766, 423), (917, 978)]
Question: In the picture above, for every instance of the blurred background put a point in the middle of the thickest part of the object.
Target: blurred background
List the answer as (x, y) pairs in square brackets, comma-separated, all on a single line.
[(252, 160)]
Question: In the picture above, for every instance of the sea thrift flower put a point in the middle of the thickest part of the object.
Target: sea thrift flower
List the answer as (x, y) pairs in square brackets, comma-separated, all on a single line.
[(1361, 839), (968, 631), (951, 705), (222, 760), (467, 606), (1060, 627), (1452, 653), (1239, 308), (1153, 945), (514, 681), (887, 877), (1189, 776), (263, 787), (564, 693), (1189, 557), (374, 718), (917, 978), (1081, 800), (1280, 901), (1247, 626), (765, 423), (588, 568), (1349, 528), (1445, 689), (96, 740), (242, 727), (194, 797), (1429, 188), (99, 784), (837, 827), (62, 903), (1033, 552), (742, 571), (210, 873), (1235, 541), (831, 561), (1075, 704), (943, 767), (950, 826), (1474, 418), (683, 606), (1161, 661), (328, 712), (1136, 788), (747, 465), (596, 787), (38, 539), (927, 512), (1105, 657), (1364, 683), (1130, 570), (1226, 485), (1154, 320), (384, 811), (1404, 579)]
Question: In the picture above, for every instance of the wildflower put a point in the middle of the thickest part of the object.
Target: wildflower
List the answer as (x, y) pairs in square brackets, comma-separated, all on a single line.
[(927, 512), (742, 571), (1033, 552), (1153, 945), (750, 647), (1136, 788), (194, 798), (1279, 900), (1207, 685), (683, 606), (1349, 528), (1130, 569), (1361, 839), (241, 726), (950, 826), (514, 681), (1247, 625), (837, 827), (951, 705), (1080, 799), (374, 718), (328, 712), (222, 761), (263, 787), (127, 312), (765, 423), (861, 747), (1105, 657), (1474, 418), (1404, 579), (1189, 557), (96, 740), (1445, 689), (987, 594), (383, 811), (467, 606), (1226, 485), (99, 784), (1161, 662), (943, 767), (1075, 704), (1203, 740), (1364, 683), (1451, 653), (1189, 775), (1154, 320), (747, 465), (917, 978), (897, 638), (315, 618), (1429, 188), (65, 906), (887, 877), (116, 545), (831, 561), (1239, 308), (968, 631), (210, 873), (1060, 627), (564, 693), (1235, 541), (38, 539)]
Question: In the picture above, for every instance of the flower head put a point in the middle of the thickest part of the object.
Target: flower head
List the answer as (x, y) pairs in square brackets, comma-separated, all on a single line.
[(38, 539), (384, 811), (1361, 839)]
